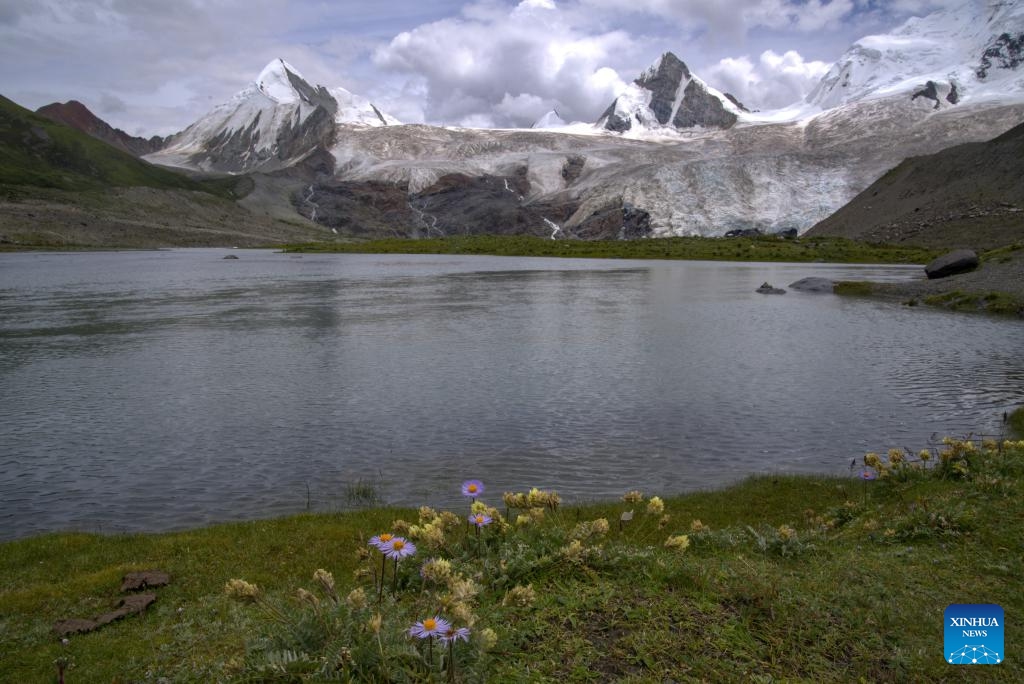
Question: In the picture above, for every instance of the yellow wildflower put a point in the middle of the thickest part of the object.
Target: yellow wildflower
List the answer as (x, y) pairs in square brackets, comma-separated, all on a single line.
[(356, 599), (655, 506), (241, 590), (520, 596), (678, 543), (488, 639), (634, 496), (698, 527)]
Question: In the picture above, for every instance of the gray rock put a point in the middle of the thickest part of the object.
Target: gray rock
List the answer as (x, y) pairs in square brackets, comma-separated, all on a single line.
[(768, 289), (959, 261), (701, 108), (814, 285)]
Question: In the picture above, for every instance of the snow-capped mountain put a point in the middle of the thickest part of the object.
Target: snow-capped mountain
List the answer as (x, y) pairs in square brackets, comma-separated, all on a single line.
[(551, 119), (970, 52), (667, 95), (277, 120), (671, 156)]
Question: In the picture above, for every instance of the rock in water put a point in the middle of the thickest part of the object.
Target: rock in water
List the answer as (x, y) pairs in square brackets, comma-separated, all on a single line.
[(959, 261), (814, 285), (768, 289)]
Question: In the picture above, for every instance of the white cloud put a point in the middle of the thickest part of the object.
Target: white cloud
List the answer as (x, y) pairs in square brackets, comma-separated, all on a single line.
[(513, 62), (773, 81)]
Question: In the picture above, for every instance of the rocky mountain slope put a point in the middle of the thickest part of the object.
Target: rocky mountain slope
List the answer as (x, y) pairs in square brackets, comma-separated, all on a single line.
[(969, 196), (667, 95), (76, 115), (276, 122), (60, 187)]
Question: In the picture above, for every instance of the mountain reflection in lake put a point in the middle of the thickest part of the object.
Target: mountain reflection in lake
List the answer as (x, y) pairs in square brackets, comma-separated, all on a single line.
[(161, 390)]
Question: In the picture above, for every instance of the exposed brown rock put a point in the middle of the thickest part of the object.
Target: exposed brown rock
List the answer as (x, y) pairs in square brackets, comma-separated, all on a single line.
[(134, 581), (129, 605)]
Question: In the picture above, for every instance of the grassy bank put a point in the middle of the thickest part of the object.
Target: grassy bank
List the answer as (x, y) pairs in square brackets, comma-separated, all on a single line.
[(811, 578), (765, 248)]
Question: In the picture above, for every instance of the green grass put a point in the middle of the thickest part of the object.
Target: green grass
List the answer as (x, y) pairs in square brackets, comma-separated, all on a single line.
[(767, 248), (37, 152), (854, 288), (991, 302), (785, 578), (1016, 421)]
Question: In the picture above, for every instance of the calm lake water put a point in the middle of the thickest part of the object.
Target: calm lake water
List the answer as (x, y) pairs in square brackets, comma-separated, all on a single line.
[(163, 390)]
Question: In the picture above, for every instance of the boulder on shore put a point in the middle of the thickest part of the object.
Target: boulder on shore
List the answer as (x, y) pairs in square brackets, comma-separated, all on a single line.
[(959, 261), (813, 284)]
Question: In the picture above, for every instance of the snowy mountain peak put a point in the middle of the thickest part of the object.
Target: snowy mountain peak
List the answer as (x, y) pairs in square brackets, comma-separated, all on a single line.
[(550, 120), (668, 96), (276, 81), (275, 122), (952, 53)]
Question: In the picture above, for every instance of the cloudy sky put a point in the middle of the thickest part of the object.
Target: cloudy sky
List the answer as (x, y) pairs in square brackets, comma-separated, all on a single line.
[(154, 66)]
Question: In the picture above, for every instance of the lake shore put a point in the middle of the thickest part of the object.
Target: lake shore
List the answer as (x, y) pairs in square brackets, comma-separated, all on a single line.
[(996, 286), (813, 578)]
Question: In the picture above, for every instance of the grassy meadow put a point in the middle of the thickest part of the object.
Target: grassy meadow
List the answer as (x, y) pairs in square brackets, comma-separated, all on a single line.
[(763, 248), (775, 578)]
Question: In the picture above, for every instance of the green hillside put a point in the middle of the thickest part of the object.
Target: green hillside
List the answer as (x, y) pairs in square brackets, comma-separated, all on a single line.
[(35, 151)]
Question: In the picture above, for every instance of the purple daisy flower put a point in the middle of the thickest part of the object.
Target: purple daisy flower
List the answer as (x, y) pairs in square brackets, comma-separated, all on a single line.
[(867, 474), (480, 519), (381, 540), (451, 634), (398, 547), (473, 488), (435, 626)]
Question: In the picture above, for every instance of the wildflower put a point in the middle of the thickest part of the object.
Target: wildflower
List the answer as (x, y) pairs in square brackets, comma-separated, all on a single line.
[(478, 507), (400, 526), (374, 623), (488, 639), (399, 548), (665, 520), (600, 526), (381, 540), (325, 580), (434, 626), (452, 635), (241, 590), (356, 599), (463, 613), (655, 506), (523, 520), (867, 474), (536, 497), (480, 519), (678, 543), (536, 514), (895, 456), (427, 514), (786, 532), (924, 455), (698, 527), (433, 535), (574, 552), (634, 496), (462, 589), (448, 519), (306, 597), (473, 488), (436, 570), (520, 596)]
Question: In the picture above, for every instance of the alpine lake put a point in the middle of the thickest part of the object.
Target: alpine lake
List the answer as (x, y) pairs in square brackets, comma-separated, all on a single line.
[(160, 390)]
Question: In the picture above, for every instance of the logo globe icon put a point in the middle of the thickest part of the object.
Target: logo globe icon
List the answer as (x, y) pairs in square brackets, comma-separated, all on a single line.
[(974, 655)]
